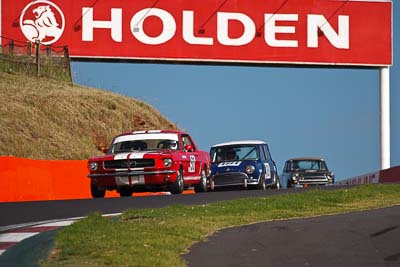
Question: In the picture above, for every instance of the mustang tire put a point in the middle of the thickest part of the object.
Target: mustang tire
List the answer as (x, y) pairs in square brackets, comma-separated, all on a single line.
[(125, 192), (202, 185), (178, 186), (96, 192)]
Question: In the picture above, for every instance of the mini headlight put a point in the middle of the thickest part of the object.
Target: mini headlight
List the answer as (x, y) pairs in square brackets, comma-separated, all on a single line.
[(167, 162), (295, 177), (93, 166), (250, 169)]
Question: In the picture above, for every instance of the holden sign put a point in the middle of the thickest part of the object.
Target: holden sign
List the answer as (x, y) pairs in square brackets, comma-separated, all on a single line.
[(356, 33)]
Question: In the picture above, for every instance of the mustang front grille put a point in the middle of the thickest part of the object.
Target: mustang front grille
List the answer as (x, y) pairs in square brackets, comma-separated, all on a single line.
[(132, 163)]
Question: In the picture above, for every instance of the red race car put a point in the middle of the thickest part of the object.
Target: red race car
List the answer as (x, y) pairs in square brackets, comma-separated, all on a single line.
[(156, 160)]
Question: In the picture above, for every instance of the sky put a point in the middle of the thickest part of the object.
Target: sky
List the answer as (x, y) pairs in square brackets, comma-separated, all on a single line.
[(332, 113)]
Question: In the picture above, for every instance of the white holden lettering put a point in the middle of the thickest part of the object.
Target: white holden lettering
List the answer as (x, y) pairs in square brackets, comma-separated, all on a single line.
[(315, 25), (168, 21), (271, 29), (338, 40), (88, 24), (223, 29), (188, 31)]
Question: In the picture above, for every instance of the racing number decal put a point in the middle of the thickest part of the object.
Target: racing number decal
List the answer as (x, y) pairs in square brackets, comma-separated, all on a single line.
[(267, 171), (192, 163)]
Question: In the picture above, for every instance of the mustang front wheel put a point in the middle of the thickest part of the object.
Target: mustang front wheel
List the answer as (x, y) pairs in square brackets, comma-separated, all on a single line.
[(177, 187), (125, 192), (202, 185), (96, 192)]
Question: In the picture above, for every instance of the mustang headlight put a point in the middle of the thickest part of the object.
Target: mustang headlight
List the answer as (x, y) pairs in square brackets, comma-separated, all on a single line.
[(93, 166), (250, 169), (167, 162)]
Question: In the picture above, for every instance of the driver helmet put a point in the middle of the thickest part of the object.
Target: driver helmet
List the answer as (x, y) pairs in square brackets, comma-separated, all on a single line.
[(172, 145)]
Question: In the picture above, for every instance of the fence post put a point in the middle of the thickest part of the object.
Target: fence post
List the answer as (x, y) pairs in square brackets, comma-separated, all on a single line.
[(37, 58), (48, 50), (29, 49), (68, 62), (11, 48)]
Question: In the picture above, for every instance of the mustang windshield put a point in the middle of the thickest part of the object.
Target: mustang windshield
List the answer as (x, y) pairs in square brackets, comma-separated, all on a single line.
[(308, 165), (229, 153), (143, 142)]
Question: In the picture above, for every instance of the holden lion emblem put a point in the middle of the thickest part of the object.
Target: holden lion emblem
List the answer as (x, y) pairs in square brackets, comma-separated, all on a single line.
[(42, 21)]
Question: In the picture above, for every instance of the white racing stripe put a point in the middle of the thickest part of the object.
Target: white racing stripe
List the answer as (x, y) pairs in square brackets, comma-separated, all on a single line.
[(134, 155), (15, 237)]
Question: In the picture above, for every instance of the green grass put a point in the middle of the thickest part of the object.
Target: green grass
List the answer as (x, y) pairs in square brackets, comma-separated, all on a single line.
[(157, 237)]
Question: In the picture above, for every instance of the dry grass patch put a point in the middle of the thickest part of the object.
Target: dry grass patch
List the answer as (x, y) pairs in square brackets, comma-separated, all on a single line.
[(42, 118)]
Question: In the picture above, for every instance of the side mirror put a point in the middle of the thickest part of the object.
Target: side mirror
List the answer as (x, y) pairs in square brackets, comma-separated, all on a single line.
[(189, 148), (105, 150)]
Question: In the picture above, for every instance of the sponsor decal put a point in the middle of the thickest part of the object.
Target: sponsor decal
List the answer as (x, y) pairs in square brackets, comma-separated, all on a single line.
[(192, 164), (267, 171), (42, 21), (229, 163)]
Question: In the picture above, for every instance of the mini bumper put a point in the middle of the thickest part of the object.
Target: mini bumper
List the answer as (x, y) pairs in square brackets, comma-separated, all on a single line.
[(302, 182), (232, 179)]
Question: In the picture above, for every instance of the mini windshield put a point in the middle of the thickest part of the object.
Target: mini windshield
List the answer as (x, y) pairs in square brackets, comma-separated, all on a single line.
[(308, 165), (145, 142), (229, 153)]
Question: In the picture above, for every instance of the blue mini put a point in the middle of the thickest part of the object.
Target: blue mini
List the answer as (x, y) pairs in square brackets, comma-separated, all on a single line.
[(242, 164)]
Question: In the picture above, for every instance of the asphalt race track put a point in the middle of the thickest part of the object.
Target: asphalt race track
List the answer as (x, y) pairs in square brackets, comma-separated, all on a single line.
[(358, 239)]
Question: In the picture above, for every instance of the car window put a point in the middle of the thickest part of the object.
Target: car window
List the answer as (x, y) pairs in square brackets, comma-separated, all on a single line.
[(267, 153), (308, 165), (263, 155), (141, 145), (236, 152), (186, 141)]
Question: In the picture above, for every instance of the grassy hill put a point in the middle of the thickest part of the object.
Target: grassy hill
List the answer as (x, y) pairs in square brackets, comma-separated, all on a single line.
[(43, 118)]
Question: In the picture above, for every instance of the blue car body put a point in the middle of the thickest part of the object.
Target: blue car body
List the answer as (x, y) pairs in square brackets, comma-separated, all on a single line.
[(242, 163)]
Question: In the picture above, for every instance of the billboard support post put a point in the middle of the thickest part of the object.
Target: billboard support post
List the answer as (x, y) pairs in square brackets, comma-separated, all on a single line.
[(385, 117)]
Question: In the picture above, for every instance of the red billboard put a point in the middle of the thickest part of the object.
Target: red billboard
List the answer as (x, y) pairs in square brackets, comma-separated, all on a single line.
[(320, 32)]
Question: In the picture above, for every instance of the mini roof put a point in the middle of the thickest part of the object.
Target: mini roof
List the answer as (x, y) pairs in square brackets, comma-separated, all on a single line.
[(241, 142), (305, 158)]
